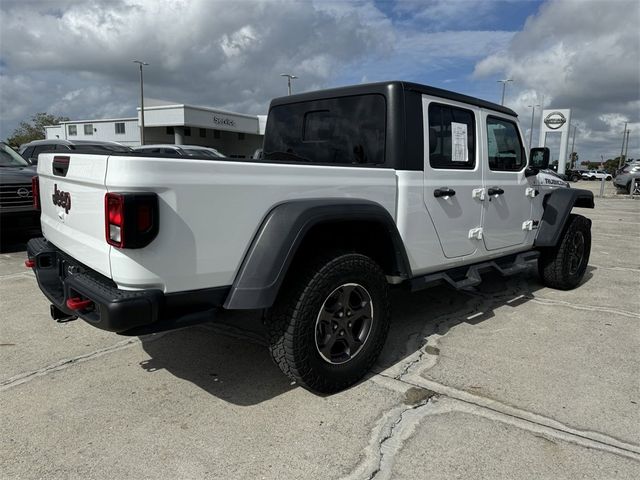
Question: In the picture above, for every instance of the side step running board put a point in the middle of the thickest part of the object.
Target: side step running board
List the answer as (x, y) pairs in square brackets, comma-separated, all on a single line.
[(470, 275)]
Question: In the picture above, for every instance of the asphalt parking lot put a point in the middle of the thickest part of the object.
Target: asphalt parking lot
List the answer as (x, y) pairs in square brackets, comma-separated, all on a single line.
[(511, 380)]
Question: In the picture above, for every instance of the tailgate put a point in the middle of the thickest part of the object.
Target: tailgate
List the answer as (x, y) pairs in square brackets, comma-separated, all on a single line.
[(72, 203)]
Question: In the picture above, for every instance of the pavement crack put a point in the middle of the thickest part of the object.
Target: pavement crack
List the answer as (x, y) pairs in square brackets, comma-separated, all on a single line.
[(25, 377), (591, 308)]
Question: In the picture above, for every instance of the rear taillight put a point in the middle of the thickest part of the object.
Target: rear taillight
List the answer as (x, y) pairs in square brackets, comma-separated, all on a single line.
[(35, 192), (131, 219)]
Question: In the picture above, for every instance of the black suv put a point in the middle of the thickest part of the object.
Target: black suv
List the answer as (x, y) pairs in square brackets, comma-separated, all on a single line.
[(16, 195)]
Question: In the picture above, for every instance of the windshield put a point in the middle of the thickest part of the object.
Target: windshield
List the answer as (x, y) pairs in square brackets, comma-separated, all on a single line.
[(10, 158)]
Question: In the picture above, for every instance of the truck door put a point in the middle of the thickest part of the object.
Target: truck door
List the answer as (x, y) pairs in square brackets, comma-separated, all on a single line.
[(506, 206), (452, 174)]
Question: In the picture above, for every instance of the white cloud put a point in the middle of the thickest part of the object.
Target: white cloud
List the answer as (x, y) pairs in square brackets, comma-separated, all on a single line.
[(579, 55)]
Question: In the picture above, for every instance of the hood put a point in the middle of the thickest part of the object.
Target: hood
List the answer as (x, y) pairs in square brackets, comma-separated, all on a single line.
[(549, 178), (9, 175)]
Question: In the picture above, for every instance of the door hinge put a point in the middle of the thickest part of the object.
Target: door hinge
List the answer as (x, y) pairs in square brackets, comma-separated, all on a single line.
[(475, 233), (478, 193), (531, 192)]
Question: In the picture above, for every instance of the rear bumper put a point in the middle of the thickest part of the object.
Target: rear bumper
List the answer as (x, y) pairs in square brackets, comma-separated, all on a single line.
[(61, 278)]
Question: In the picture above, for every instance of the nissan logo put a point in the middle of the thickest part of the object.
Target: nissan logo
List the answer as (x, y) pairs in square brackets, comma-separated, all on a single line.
[(555, 120), (23, 192)]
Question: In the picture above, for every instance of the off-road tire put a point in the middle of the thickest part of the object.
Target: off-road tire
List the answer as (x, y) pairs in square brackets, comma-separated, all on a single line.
[(292, 320), (559, 266)]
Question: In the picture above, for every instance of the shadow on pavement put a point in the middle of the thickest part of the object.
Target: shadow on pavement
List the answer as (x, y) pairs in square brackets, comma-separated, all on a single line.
[(229, 358)]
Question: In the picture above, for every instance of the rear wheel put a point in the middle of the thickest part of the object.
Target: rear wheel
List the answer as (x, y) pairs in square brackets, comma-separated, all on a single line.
[(575, 178), (563, 267), (330, 322)]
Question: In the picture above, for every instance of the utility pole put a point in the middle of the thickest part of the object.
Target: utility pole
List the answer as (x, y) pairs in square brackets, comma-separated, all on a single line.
[(141, 100), (504, 87), (626, 147), (533, 112), (573, 147), (289, 78), (624, 134)]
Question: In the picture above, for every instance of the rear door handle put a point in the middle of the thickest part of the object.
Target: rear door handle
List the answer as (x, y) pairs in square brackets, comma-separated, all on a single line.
[(444, 192), (495, 191)]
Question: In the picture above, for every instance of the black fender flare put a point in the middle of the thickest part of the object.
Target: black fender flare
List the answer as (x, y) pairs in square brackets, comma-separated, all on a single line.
[(274, 245), (557, 207)]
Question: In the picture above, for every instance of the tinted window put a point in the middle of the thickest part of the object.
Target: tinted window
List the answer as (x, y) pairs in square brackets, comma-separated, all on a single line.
[(452, 137), (505, 148), (41, 149), (28, 153), (347, 130)]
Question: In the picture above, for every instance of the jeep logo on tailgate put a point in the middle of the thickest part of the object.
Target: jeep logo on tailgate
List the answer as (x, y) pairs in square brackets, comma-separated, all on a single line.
[(61, 199)]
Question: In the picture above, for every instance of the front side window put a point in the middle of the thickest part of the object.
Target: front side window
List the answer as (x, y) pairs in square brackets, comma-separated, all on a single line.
[(344, 131), (452, 137), (506, 152), (73, 130), (120, 128), (88, 129)]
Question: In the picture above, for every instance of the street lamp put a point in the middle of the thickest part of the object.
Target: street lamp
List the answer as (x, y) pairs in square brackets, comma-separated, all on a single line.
[(504, 87), (533, 112), (289, 78), (142, 64)]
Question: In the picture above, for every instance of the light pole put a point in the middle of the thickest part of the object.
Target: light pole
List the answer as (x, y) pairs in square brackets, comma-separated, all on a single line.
[(504, 87), (533, 112), (142, 64), (624, 134), (289, 78), (573, 147)]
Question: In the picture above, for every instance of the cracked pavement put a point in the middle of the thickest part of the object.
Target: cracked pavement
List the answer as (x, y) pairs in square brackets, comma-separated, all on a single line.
[(509, 380)]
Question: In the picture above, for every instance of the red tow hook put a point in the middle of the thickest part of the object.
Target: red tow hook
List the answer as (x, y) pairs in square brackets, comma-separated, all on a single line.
[(76, 303), (29, 263)]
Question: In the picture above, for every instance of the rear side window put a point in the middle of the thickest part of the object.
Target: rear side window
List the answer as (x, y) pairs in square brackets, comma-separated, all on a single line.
[(506, 152), (452, 137), (344, 131)]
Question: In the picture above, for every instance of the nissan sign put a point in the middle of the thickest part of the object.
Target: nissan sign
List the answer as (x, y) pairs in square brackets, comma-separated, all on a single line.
[(555, 120)]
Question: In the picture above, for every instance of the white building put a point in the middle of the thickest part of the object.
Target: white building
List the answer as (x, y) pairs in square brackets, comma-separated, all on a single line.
[(236, 135)]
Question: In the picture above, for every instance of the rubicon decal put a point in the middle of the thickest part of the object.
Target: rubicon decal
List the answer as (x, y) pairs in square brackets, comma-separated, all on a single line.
[(61, 199)]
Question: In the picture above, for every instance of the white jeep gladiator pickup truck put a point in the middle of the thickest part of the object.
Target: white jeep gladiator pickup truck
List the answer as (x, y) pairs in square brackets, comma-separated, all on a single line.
[(358, 189)]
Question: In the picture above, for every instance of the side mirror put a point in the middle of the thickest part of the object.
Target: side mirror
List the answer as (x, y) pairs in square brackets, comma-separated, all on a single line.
[(539, 158)]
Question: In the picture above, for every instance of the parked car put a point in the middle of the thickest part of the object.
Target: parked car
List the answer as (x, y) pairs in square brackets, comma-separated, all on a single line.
[(359, 189), (191, 151), (575, 175), (17, 210), (596, 175), (31, 150), (628, 174)]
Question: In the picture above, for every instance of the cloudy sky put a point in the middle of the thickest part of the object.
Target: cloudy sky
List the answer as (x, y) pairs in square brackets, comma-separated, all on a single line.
[(74, 57)]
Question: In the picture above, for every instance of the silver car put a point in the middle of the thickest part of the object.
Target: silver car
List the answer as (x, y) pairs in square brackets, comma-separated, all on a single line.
[(190, 151), (629, 173)]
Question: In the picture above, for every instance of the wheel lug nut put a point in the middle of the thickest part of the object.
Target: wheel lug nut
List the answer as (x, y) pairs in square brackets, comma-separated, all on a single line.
[(341, 332), (348, 313), (340, 314), (349, 324)]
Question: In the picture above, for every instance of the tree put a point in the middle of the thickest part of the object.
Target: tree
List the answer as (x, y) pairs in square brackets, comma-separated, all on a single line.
[(34, 129)]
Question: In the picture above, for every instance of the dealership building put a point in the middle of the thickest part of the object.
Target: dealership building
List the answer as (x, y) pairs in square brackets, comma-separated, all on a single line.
[(236, 135)]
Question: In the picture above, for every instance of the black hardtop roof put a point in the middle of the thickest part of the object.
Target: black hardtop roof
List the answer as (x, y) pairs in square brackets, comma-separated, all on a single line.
[(383, 87)]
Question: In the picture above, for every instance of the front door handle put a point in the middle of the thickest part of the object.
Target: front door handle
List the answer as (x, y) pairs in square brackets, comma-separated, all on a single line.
[(444, 192), (495, 191)]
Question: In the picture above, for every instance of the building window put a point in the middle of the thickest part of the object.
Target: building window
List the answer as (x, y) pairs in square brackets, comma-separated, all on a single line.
[(216, 134), (170, 131), (240, 136), (88, 129), (120, 128), (187, 131), (73, 130), (203, 132)]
